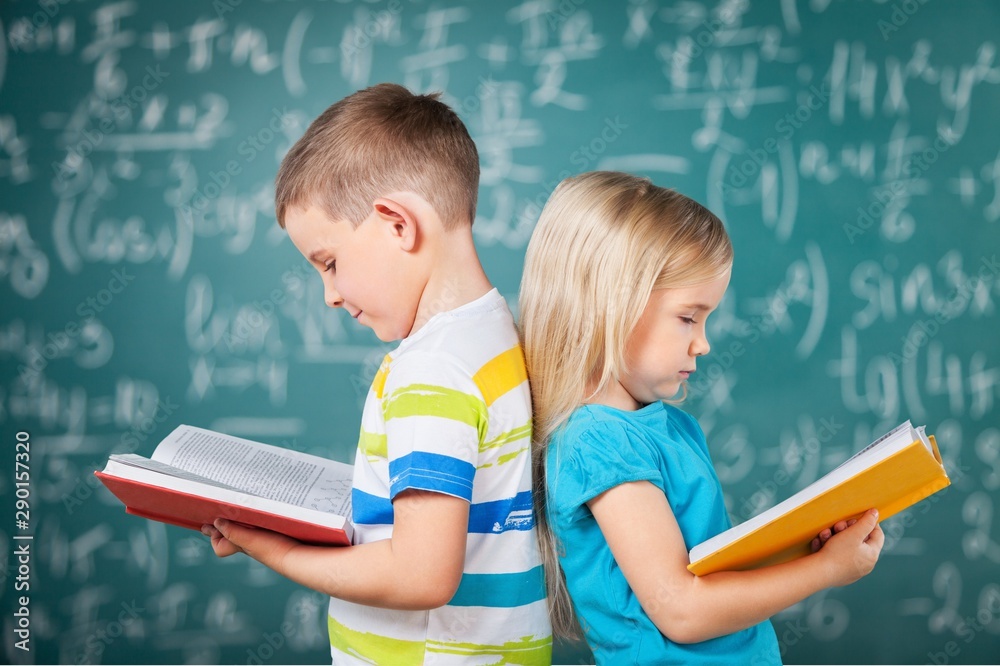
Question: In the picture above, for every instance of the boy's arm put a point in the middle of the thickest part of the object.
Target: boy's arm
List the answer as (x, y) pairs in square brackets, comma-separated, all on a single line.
[(418, 568), (640, 527)]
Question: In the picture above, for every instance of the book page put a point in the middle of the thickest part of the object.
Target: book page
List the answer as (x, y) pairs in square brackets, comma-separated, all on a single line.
[(902, 427), (134, 460), (259, 469)]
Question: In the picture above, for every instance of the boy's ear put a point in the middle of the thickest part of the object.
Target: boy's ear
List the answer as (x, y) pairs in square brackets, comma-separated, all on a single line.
[(401, 220)]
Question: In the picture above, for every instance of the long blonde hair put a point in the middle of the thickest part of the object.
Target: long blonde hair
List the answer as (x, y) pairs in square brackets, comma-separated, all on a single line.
[(604, 241)]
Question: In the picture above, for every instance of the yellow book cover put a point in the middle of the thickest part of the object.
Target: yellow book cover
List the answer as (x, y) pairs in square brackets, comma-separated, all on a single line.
[(892, 473)]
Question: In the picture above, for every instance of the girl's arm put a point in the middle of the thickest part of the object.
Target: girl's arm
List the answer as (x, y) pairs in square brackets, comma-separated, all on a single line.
[(644, 537), (419, 568)]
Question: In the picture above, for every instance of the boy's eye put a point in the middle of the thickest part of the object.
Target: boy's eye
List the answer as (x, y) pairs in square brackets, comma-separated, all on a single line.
[(331, 265)]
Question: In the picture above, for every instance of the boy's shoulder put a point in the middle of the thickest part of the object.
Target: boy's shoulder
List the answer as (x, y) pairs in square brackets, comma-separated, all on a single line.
[(478, 326), (466, 338)]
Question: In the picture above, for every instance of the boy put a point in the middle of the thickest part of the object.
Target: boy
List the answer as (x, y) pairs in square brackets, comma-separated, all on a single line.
[(379, 195)]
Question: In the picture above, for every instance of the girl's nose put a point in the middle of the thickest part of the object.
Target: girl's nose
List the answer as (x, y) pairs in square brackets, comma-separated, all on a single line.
[(700, 346)]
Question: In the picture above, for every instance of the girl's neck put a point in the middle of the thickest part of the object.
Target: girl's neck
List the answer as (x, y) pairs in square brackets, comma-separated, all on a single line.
[(613, 395)]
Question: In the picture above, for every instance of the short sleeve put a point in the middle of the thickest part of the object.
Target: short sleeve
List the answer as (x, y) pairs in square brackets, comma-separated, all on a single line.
[(586, 462), (434, 419)]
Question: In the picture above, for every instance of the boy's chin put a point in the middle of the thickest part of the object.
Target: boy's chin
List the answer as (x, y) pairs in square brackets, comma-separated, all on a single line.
[(385, 334), (387, 337)]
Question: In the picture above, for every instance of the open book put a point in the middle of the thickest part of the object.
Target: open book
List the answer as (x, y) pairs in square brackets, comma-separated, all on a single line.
[(197, 475), (892, 473)]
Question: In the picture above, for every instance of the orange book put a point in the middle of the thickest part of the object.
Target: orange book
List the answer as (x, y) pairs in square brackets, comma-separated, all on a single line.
[(197, 475), (891, 474)]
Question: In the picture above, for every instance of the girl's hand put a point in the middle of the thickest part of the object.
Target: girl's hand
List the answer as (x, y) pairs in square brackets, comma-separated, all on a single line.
[(852, 552), (825, 535)]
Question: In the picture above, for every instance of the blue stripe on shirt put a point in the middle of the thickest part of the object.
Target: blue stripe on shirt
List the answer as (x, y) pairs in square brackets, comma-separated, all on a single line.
[(422, 470), (368, 509), (505, 590), (511, 513)]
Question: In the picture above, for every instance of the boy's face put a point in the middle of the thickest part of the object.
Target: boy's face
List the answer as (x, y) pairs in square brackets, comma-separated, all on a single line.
[(360, 271)]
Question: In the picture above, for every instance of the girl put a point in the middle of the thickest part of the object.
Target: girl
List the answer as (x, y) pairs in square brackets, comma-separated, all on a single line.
[(619, 278)]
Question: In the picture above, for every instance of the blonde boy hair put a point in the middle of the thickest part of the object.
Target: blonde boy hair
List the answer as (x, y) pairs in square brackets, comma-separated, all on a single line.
[(376, 141), (604, 241)]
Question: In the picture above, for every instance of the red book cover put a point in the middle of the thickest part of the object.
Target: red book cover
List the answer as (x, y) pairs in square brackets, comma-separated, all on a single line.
[(183, 509)]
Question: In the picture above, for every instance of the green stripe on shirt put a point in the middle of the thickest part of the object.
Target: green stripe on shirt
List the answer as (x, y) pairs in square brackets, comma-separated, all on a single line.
[(373, 647), (439, 401), (529, 651), (511, 435), (373, 445), (364, 645)]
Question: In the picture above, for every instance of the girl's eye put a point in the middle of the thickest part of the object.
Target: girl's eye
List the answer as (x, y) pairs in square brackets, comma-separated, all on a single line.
[(331, 265), (688, 320)]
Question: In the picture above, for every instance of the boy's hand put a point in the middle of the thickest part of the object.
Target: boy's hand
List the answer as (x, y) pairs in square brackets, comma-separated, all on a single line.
[(264, 546), (418, 568), (853, 551), (222, 546)]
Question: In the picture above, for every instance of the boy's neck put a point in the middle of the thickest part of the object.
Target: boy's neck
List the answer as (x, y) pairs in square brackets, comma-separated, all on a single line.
[(455, 278)]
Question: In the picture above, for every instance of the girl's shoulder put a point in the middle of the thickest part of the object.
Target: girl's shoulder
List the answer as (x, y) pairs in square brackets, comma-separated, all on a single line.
[(654, 415), (598, 420), (594, 451), (655, 427), (683, 421)]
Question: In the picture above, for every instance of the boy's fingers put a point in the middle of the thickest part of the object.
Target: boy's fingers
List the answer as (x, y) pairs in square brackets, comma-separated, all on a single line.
[(248, 539), (228, 530), (224, 548), (226, 538)]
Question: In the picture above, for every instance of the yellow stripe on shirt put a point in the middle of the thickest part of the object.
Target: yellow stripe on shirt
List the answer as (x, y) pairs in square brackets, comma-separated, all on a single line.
[(378, 383), (500, 374)]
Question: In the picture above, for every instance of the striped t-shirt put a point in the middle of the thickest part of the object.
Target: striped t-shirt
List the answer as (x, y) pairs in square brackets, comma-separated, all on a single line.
[(450, 411)]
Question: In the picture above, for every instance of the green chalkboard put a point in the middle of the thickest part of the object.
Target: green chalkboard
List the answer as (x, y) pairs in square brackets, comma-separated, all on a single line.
[(851, 148)]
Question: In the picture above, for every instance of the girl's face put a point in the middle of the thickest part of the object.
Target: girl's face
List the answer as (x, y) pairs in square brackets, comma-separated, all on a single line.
[(661, 351)]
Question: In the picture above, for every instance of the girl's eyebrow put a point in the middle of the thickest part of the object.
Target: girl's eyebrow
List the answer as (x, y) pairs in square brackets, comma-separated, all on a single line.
[(695, 306)]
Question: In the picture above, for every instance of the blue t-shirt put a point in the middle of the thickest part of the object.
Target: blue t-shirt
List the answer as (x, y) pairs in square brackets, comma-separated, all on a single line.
[(600, 448)]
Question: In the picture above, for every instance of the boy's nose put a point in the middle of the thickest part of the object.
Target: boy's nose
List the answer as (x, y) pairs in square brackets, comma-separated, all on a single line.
[(333, 297)]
